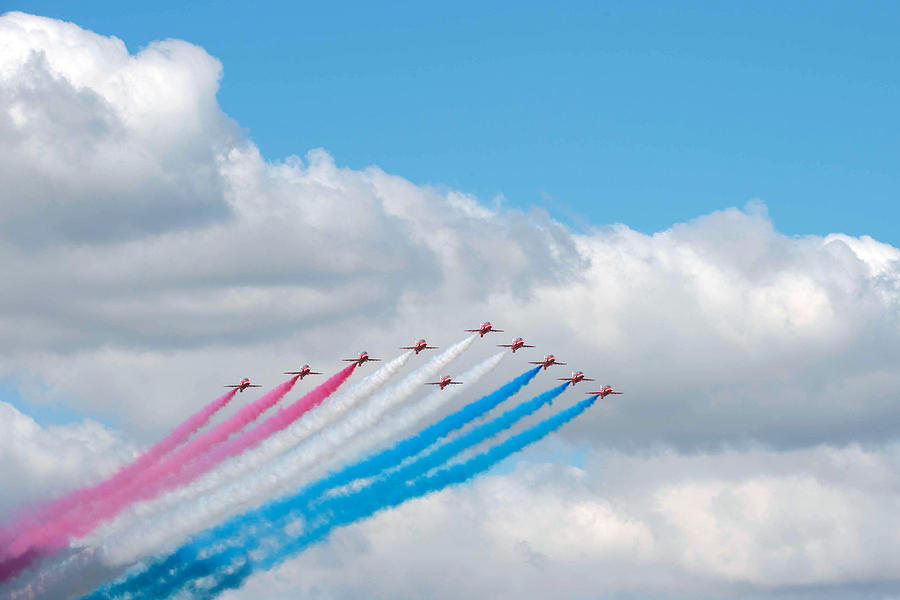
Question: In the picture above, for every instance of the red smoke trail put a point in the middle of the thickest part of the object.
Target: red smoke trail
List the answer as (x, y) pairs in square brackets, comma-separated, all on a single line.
[(83, 519), (40, 516), (272, 425)]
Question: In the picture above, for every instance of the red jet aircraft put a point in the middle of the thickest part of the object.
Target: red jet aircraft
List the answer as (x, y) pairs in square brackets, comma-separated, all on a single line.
[(603, 393), (363, 357), (419, 346), (575, 378), (444, 382), (243, 385), (303, 372), (548, 361), (516, 344), (486, 327)]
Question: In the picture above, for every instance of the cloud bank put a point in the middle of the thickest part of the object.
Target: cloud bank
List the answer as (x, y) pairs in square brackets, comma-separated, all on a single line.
[(148, 246)]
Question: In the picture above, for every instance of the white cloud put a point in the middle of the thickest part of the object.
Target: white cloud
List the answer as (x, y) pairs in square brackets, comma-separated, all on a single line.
[(37, 461), (662, 525), (151, 255)]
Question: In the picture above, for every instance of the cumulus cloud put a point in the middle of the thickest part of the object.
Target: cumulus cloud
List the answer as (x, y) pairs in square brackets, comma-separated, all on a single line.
[(664, 525), (37, 461), (98, 144), (148, 245)]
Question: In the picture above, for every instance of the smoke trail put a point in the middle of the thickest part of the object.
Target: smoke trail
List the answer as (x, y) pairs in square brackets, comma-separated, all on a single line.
[(41, 515), (19, 550), (235, 564), (82, 519), (378, 463), (401, 450), (275, 423), (231, 447), (315, 420), (280, 476), (414, 414)]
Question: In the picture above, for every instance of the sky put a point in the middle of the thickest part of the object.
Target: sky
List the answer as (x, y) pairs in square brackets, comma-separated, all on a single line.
[(694, 205), (641, 113)]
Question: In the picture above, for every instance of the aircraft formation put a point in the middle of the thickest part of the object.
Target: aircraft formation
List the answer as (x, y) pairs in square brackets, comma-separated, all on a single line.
[(199, 480), (421, 344)]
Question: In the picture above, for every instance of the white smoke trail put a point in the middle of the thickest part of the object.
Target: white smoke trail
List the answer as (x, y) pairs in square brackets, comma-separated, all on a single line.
[(233, 468), (405, 419), (281, 475)]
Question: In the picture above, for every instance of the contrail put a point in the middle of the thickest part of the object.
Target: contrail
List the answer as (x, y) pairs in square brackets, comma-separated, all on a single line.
[(231, 567), (82, 519), (134, 525), (41, 515), (231, 447), (315, 420), (279, 477), (35, 520), (369, 466), (400, 451), (273, 424)]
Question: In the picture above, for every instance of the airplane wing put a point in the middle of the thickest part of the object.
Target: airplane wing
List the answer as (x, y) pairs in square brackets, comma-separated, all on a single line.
[(433, 383), (496, 330), (254, 386), (293, 373), (506, 346), (375, 359), (617, 392), (536, 362), (527, 346), (567, 378), (586, 379), (559, 363), (454, 383), (473, 330), (409, 347), (351, 359), (233, 386)]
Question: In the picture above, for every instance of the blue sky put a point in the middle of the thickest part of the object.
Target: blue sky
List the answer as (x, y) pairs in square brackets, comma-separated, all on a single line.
[(643, 113)]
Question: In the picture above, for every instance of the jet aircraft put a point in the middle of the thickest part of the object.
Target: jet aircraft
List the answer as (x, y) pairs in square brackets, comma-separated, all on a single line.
[(516, 344), (444, 382), (575, 378), (362, 358), (303, 372), (548, 361), (243, 385), (486, 327), (604, 392), (419, 346)]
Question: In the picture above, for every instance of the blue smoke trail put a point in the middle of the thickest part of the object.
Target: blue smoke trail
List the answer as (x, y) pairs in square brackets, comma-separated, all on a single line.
[(337, 510), (354, 507), (367, 467)]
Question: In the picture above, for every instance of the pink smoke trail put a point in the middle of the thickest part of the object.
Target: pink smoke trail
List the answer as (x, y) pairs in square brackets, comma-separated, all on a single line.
[(41, 515), (272, 425), (85, 518)]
